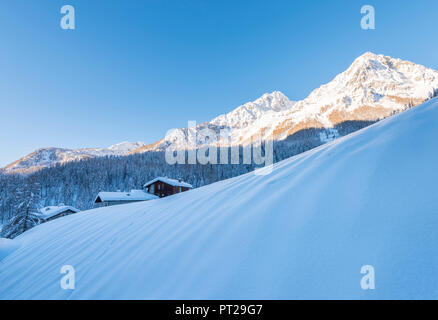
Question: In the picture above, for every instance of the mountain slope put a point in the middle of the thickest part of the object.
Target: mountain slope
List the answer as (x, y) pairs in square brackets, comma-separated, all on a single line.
[(303, 231), (46, 157), (372, 88)]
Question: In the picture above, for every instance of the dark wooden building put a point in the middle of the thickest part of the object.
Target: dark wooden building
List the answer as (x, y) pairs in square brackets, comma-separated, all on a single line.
[(163, 186)]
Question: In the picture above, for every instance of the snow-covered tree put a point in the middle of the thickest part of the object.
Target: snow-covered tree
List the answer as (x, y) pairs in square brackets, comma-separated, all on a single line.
[(27, 197), (19, 223)]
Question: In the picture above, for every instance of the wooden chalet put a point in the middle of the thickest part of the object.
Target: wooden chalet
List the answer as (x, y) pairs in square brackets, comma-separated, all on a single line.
[(163, 186), (54, 212)]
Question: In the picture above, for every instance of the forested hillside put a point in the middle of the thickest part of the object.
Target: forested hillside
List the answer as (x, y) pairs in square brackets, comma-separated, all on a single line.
[(77, 183)]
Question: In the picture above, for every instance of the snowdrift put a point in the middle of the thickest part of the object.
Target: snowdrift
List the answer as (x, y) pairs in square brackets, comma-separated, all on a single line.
[(304, 231), (7, 246)]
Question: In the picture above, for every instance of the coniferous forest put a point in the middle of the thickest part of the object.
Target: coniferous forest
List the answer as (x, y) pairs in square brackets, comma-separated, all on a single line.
[(78, 183)]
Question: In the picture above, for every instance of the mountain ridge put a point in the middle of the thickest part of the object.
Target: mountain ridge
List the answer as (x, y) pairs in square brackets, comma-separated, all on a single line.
[(45, 157), (372, 88)]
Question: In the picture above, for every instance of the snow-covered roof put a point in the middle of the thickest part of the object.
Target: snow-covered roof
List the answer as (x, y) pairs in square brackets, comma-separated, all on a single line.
[(52, 211), (134, 195), (172, 182)]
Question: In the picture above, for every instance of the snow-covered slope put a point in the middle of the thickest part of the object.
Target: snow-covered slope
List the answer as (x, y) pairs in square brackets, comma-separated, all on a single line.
[(46, 157), (7, 246), (247, 114), (372, 88), (125, 147), (303, 231)]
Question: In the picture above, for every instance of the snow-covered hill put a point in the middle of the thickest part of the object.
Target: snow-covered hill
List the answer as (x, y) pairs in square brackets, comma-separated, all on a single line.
[(46, 157), (303, 231)]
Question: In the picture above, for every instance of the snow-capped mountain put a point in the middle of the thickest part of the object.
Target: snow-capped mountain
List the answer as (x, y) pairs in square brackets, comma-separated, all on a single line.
[(125, 147), (46, 157), (247, 114), (307, 238), (372, 88)]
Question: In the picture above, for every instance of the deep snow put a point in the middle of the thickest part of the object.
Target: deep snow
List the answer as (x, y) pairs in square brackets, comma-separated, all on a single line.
[(7, 246), (304, 231)]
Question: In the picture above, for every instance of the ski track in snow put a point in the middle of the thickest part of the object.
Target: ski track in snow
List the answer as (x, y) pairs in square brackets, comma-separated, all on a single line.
[(302, 232)]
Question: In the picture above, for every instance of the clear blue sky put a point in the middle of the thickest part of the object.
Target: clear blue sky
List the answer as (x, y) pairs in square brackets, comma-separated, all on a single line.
[(134, 69)]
